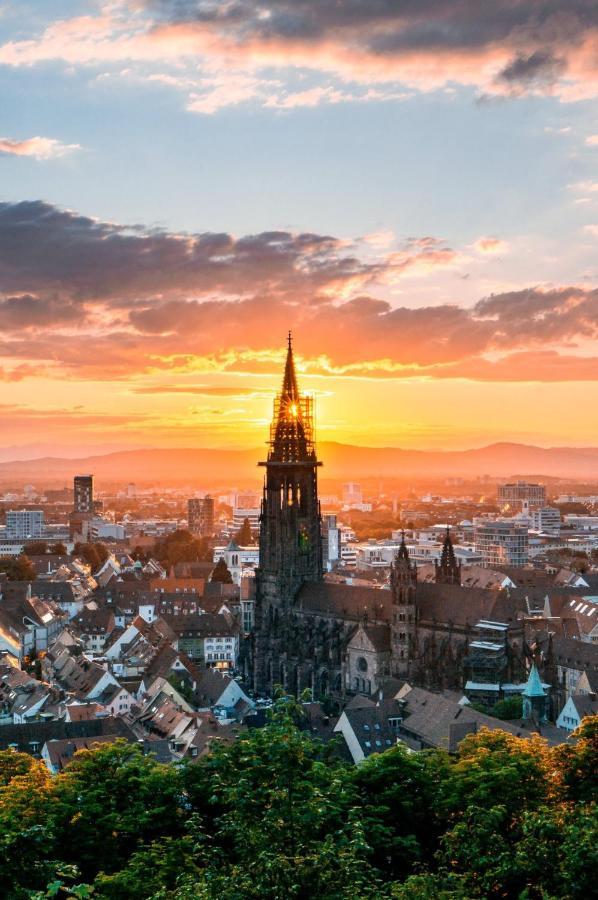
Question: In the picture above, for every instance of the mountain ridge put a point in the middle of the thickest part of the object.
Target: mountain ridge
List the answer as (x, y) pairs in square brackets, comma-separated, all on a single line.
[(502, 459)]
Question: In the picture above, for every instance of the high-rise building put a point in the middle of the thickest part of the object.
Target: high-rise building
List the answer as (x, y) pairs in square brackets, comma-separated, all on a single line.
[(331, 542), (501, 542), (83, 494), (247, 506), (290, 526), (200, 515), (24, 524), (519, 495)]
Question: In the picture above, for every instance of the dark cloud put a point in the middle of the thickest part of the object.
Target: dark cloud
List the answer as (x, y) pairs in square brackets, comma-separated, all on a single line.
[(26, 311), (392, 28), (539, 68), (43, 248), (143, 300)]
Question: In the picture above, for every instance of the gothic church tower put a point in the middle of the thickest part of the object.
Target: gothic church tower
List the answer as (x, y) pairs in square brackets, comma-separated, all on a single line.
[(290, 525)]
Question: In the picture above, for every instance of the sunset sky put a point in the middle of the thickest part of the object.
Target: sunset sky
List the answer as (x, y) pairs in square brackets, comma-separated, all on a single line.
[(411, 186)]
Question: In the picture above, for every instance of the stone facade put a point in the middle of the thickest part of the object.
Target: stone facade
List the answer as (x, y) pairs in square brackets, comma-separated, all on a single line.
[(310, 633)]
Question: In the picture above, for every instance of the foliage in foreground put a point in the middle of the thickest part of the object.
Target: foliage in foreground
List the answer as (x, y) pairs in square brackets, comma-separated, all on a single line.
[(279, 815)]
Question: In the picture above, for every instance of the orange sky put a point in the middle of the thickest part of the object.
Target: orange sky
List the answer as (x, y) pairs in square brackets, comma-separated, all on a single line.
[(411, 188)]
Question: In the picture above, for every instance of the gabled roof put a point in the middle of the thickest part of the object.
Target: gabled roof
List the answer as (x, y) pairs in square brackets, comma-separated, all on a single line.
[(585, 704), (24, 735), (441, 722), (345, 601), (370, 725)]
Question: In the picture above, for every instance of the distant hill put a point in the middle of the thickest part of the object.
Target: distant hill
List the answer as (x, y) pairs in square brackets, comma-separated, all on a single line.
[(340, 461)]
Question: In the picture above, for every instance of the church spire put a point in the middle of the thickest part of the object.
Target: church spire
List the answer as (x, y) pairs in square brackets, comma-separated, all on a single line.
[(448, 571), (291, 433), (289, 382)]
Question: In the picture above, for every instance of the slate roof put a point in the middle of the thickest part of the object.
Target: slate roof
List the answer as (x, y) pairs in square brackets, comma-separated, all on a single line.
[(345, 601), (438, 721), (204, 625), (210, 687), (379, 637), (370, 725), (61, 752), (580, 655), (23, 735), (585, 704)]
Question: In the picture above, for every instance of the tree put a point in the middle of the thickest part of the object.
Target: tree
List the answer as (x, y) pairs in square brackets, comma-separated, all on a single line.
[(281, 812), (19, 568), (59, 549), (496, 780), (181, 546), (36, 548), (577, 764), (221, 572), (94, 554), (397, 791), (244, 535), (109, 802), (26, 843), (509, 708)]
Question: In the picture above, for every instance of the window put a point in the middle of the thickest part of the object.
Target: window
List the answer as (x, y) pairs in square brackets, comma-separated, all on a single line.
[(367, 743), (366, 727)]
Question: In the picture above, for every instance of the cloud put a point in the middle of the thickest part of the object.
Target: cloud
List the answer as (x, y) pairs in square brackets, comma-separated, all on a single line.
[(105, 300), (592, 140), (37, 147), (586, 187), (489, 246), (47, 249), (591, 230), (541, 68), (203, 390), (508, 47)]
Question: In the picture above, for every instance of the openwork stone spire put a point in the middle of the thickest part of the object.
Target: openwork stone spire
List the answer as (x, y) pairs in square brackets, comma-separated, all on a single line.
[(292, 430), (448, 571)]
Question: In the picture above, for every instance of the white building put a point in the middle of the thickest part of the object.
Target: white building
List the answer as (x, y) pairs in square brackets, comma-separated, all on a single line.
[(238, 559), (99, 529), (221, 652), (24, 524), (501, 542), (577, 707), (546, 520), (582, 523)]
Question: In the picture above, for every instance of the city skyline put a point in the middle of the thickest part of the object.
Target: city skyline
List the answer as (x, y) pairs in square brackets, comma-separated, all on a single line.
[(414, 195)]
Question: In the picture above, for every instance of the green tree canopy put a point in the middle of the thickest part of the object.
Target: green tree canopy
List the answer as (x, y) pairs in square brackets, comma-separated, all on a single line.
[(18, 568), (221, 572)]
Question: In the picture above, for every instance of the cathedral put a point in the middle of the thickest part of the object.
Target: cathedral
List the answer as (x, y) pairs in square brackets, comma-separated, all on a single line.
[(339, 638)]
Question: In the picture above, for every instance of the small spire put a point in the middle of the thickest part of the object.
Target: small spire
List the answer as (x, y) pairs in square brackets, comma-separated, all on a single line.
[(534, 687), (289, 383), (403, 551), (290, 340)]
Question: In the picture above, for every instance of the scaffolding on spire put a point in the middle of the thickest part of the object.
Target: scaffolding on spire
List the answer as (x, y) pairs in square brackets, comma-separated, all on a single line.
[(292, 434)]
